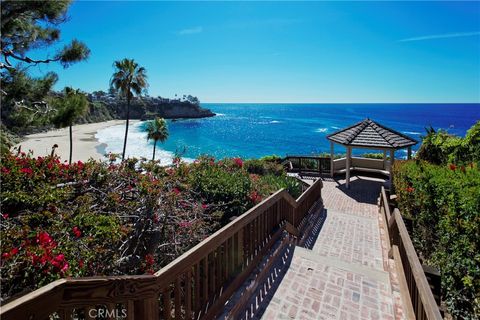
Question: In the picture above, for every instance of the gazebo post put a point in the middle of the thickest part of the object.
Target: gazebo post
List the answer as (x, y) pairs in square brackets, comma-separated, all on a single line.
[(392, 160), (331, 159), (384, 159), (409, 154), (349, 156)]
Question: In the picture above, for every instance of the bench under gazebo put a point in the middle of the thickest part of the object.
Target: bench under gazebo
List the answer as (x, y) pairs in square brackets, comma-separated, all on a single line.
[(367, 134)]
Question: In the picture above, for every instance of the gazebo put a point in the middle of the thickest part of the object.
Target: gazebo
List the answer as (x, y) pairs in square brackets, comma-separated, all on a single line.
[(368, 134)]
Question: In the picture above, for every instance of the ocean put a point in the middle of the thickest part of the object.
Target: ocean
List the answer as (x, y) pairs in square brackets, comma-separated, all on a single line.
[(251, 130)]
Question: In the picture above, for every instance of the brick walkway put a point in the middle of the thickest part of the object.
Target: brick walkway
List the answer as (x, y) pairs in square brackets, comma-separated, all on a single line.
[(347, 273)]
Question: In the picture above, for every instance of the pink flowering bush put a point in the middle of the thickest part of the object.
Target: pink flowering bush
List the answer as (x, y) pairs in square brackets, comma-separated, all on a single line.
[(110, 218)]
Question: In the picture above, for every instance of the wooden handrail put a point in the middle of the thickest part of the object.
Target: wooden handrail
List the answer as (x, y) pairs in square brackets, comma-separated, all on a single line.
[(421, 297), (322, 163), (195, 285)]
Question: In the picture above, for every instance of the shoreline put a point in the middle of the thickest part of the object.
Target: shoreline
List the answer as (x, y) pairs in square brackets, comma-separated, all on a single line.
[(85, 144)]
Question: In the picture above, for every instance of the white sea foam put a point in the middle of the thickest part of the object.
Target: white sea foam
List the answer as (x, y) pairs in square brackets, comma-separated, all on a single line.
[(220, 114), (333, 127), (137, 145), (321, 130), (412, 132), (269, 122)]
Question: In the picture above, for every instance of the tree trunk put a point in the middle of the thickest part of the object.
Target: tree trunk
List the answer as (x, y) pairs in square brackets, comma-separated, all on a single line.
[(154, 147), (126, 129), (71, 145)]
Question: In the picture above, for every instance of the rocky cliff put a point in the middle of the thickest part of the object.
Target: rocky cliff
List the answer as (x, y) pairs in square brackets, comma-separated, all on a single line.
[(150, 108)]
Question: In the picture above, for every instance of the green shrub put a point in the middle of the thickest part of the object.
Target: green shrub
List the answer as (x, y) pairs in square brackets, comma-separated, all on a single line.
[(271, 183), (444, 202), (377, 155), (440, 147), (263, 167), (226, 190), (271, 158)]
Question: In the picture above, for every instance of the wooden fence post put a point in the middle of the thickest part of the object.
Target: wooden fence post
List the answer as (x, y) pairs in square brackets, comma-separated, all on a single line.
[(146, 308)]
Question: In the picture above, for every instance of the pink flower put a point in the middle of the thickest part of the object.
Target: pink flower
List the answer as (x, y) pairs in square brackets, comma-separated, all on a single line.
[(5, 170), (409, 189), (44, 239), (238, 162), (80, 263), (14, 251), (185, 224), (64, 268), (176, 191), (77, 232), (5, 215), (28, 171), (255, 197), (149, 260), (204, 206), (452, 167), (59, 263)]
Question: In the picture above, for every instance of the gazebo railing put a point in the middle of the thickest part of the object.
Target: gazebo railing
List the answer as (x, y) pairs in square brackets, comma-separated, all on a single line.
[(361, 163), (299, 163)]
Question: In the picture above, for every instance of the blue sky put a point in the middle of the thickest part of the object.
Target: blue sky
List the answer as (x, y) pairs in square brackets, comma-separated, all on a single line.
[(284, 51)]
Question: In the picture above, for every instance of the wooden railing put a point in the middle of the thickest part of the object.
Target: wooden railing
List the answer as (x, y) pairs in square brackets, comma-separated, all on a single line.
[(418, 299), (308, 164), (194, 286)]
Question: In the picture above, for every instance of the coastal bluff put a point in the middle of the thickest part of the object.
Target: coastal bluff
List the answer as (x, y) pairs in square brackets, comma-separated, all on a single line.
[(149, 108)]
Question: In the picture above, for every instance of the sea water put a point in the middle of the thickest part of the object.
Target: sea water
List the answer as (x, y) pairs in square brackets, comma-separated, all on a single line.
[(250, 130)]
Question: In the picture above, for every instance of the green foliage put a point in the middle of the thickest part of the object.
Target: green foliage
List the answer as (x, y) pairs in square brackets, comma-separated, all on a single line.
[(271, 158), (443, 148), (471, 144), (29, 25), (70, 107), (97, 112), (271, 183), (444, 202), (377, 155), (226, 187), (157, 130), (264, 167), (7, 139), (335, 156), (34, 24), (22, 105), (129, 79)]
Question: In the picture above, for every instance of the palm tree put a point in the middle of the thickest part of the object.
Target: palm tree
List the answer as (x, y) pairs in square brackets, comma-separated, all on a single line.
[(128, 80), (157, 130), (72, 105)]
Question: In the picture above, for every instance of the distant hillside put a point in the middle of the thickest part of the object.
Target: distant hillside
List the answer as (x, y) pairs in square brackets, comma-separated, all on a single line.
[(150, 107)]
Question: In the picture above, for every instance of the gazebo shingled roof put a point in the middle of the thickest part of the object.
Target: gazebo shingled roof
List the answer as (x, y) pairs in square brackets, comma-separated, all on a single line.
[(368, 133)]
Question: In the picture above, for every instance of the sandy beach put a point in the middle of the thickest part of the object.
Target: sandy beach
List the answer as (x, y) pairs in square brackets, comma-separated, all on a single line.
[(85, 145)]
